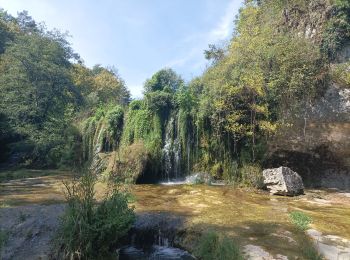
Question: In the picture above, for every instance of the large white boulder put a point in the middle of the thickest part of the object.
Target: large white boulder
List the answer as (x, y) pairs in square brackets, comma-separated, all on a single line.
[(283, 181)]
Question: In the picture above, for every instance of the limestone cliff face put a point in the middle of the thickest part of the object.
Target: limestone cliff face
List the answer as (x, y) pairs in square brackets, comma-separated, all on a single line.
[(317, 144), (315, 149), (308, 18)]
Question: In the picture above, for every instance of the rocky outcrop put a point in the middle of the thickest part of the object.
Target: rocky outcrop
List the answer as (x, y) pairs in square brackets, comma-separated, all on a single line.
[(283, 181), (317, 144), (30, 230)]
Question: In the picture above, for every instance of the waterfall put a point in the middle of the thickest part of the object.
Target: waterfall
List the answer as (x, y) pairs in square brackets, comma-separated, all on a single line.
[(98, 145), (171, 152), (166, 151)]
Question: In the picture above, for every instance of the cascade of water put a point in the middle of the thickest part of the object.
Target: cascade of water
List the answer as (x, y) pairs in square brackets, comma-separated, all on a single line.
[(98, 143), (166, 151), (96, 162), (171, 151)]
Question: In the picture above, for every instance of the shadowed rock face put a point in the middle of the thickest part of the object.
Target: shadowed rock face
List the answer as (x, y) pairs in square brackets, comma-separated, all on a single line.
[(317, 145), (283, 181)]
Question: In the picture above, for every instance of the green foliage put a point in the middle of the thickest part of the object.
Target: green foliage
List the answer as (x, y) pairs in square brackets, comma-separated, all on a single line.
[(164, 80), (43, 93), (214, 53), (36, 90), (89, 230), (252, 176), (268, 74), (212, 246), (138, 125), (115, 120), (130, 164), (300, 219), (102, 132), (99, 86), (340, 74), (158, 101), (231, 172), (141, 126), (337, 32)]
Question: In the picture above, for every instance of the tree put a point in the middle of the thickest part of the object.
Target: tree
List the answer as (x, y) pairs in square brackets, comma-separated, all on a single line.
[(164, 80), (36, 91), (214, 53)]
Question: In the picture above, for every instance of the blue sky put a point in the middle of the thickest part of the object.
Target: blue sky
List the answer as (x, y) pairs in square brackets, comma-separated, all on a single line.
[(138, 37)]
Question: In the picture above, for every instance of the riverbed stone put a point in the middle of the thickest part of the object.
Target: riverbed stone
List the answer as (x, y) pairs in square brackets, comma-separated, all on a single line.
[(283, 181), (330, 246), (253, 252)]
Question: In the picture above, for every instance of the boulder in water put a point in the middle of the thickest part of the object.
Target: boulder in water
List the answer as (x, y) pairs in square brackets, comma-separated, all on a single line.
[(283, 181)]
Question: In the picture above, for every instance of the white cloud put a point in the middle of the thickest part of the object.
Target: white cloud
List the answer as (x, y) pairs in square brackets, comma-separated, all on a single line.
[(224, 28), (195, 44)]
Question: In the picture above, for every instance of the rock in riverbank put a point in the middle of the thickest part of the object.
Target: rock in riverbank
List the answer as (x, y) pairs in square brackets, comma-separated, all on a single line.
[(283, 181)]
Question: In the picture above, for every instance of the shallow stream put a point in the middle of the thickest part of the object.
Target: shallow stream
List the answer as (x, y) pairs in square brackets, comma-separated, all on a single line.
[(249, 216), (182, 212)]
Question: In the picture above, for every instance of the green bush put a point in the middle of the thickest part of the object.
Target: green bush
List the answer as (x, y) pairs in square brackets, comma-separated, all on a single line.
[(251, 175), (89, 230), (300, 219), (231, 172), (211, 246), (115, 119)]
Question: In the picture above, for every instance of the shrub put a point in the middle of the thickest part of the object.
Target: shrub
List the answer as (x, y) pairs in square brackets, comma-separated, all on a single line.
[(252, 175), (231, 172), (89, 230), (211, 246), (300, 219)]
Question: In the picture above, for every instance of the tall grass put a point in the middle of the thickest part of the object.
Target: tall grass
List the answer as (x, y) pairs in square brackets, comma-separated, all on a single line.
[(212, 246), (90, 230), (302, 221)]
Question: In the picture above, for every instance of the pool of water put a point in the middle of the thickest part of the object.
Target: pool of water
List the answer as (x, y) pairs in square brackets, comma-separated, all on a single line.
[(250, 216), (154, 253)]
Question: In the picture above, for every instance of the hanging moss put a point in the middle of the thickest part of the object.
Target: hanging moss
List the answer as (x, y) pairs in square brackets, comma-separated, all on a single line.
[(102, 131)]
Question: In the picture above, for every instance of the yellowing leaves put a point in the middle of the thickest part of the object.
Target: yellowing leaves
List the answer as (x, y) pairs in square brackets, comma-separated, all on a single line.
[(268, 127)]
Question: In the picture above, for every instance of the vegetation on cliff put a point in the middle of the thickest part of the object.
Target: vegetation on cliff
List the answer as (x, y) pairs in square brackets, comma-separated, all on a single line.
[(56, 112)]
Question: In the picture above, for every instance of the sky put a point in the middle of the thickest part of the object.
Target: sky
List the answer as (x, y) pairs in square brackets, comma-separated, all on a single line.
[(138, 37)]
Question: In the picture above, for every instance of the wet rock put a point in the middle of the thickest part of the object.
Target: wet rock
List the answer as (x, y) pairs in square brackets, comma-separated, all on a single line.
[(283, 181), (253, 252), (285, 235), (330, 246)]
